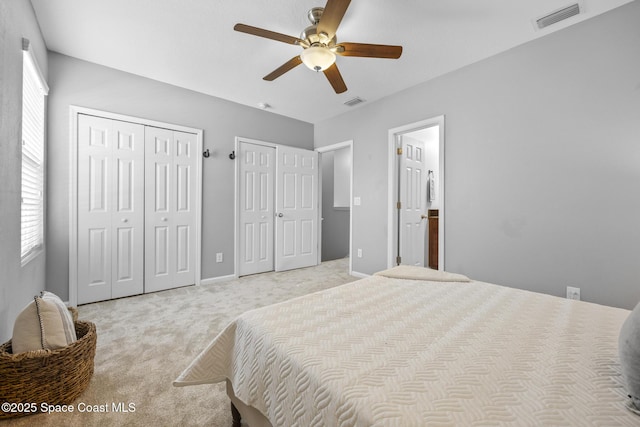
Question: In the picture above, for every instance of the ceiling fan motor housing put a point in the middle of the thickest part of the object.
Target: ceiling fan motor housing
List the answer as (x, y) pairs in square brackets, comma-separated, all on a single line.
[(315, 14), (311, 35)]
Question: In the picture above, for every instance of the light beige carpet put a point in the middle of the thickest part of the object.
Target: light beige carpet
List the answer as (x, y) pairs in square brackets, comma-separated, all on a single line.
[(145, 342)]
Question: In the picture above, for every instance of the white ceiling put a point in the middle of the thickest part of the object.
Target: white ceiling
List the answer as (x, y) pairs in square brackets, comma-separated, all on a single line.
[(192, 44)]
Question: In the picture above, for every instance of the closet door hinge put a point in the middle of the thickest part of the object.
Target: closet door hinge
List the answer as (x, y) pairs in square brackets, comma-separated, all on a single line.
[(398, 260), (399, 151), (399, 205)]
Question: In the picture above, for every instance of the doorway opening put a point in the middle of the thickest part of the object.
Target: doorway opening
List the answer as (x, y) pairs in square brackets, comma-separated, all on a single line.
[(416, 194), (336, 182)]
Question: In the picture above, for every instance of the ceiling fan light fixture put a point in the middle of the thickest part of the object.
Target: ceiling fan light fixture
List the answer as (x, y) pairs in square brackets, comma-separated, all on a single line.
[(320, 45), (318, 58)]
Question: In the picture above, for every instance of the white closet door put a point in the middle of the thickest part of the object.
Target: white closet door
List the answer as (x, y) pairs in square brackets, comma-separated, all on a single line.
[(110, 208), (170, 204), (256, 200), (413, 198), (185, 157), (296, 208)]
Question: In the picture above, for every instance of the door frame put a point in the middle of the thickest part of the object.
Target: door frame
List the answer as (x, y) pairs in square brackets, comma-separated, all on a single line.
[(325, 149), (392, 213), (74, 112)]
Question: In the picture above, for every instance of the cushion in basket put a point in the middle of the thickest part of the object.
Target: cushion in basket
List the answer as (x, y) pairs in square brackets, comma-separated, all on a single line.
[(44, 324), (629, 352)]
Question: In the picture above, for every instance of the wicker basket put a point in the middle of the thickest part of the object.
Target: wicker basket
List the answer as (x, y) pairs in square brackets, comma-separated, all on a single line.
[(48, 376)]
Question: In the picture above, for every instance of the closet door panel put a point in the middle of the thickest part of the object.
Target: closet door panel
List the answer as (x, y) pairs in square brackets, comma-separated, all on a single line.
[(94, 220), (159, 239), (184, 164), (183, 261), (110, 208), (98, 271), (171, 158), (161, 249), (127, 218)]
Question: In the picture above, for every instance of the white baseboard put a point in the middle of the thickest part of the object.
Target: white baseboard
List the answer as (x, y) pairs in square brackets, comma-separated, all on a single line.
[(360, 275), (212, 280)]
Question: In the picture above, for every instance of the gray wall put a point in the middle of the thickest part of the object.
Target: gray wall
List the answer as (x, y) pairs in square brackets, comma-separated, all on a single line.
[(335, 224), (18, 284), (542, 157), (75, 82)]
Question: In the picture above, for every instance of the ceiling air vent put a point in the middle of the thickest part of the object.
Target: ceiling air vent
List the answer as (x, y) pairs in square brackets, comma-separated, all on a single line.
[(354, 101), (558, 15)]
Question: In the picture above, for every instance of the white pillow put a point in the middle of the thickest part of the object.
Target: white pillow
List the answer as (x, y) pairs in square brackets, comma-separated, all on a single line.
[(629, 352), (44, 324), (413, 272)]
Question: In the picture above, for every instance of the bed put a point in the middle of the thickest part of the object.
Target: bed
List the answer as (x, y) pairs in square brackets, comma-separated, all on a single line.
[(414, 347)]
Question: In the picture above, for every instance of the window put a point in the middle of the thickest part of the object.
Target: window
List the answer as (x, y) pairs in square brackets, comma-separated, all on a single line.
[(34, 91)]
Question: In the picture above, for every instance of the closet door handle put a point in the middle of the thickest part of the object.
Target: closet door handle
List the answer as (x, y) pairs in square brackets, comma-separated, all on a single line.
[(124, 220), (280, 215), (164, 219)]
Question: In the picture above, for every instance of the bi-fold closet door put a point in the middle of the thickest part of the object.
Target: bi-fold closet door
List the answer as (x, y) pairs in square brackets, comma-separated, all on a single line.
[(110, 209), (169, 209), (136, 208)]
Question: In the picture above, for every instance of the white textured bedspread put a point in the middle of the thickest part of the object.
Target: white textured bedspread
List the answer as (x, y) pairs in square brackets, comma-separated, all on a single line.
[(395, 352)]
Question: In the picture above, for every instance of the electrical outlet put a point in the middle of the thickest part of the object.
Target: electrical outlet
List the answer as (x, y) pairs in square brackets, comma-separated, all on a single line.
[(573, 293), (359, 253), (219, 257)]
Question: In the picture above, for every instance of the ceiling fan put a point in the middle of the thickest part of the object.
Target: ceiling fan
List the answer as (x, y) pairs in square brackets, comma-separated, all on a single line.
[(321, 46)]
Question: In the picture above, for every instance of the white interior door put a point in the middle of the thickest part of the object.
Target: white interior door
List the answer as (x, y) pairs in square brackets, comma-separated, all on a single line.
[(170, 170), (184, 219), (413, 202), (256, 203), (296, 226), (110, 208)]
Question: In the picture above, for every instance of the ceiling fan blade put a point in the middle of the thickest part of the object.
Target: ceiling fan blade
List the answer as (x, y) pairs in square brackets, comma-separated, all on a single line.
[(332, 15), (266, 34), (370, 50), (335, 78), (289, 65)]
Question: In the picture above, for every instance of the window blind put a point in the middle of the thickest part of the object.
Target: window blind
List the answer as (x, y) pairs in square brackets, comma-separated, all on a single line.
[(34, 90)]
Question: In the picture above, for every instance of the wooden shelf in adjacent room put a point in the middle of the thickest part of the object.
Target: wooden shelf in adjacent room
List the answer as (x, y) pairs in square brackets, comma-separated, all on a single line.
[(433, 238)]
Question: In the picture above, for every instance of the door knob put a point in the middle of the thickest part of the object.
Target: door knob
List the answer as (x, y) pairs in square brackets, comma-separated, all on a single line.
[(424, 216), (164, 218), (124, 220), (280, 214)]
